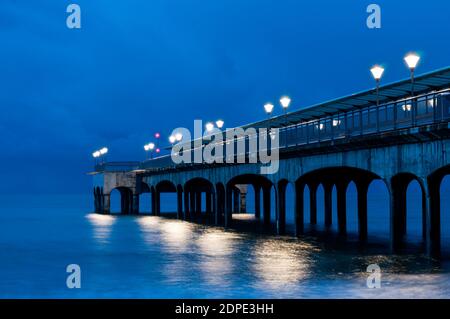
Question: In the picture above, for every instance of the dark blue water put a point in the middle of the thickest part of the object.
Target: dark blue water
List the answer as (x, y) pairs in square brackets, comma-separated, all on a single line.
[(154, 257)]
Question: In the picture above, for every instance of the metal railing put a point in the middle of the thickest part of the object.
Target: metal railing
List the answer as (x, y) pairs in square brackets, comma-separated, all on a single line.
[(426, 109)]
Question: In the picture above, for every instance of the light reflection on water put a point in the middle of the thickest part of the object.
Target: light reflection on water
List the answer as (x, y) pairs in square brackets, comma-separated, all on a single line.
[(214, 262), (279, 264), (154, 257), (102, 226)]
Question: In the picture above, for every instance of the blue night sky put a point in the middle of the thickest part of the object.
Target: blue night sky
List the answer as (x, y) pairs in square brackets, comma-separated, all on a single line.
[(140, 66)]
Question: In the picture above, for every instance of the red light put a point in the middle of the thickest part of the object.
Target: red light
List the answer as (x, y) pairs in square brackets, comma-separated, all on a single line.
[(157, 135), (158, 150)]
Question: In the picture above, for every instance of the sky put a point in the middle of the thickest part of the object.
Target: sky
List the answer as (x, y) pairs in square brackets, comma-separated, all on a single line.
[(137, 67)]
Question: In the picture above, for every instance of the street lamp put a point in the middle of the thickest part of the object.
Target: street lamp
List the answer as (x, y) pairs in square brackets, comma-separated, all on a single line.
[(268, 107), (412, 59), (149, 148), (172, 139), (285, 101), (178, 137), (209, 126), (377, 72), (220, 123)]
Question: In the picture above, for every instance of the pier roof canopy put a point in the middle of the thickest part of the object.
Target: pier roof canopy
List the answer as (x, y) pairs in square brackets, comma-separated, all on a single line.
[(433, 81)]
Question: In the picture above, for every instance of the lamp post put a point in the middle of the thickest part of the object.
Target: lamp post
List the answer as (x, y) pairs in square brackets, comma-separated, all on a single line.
[(209, 127), (268, 107), (220, 123), (377, 72), (149, 148), (285, 102), (172, 139), (412, 59)]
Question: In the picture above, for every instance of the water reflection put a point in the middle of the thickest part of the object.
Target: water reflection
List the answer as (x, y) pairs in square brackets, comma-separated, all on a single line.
[(176, 235), (217, 248), (279, 263), (102, 226)]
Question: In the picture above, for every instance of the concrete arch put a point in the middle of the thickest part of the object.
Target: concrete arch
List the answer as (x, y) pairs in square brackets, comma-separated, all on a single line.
[(398, 187), (259, 183), (433, 193), (166, 186), (330, 177), (193, 190), (126, 199)]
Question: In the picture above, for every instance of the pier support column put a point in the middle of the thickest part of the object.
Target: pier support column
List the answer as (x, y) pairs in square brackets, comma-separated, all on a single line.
[(198, 204), (281, 211), (341, 188), (266, 205), (179, 203), (208, 203), (228, 207), (106, 204), (236, 197), (153, 202), (158, 203), (126, 199), (192, 211), (397, 190), (257, 202), (433, 216), (135, 203), (299, 208), (187, 205), (362, 187), (397, 210), (219, 203), (328, 205), (313, 203)]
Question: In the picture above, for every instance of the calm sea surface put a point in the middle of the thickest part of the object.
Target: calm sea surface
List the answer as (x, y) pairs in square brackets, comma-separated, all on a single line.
[(154, 257)]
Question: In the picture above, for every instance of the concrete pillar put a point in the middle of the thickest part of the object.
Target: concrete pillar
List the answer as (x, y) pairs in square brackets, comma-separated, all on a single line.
[(153, 202), (96, 202), (341, 188), (242, 198), (281, 209), (397, 211), (313, 202), (198, 204), (299, 207), (187, 205), (158, 203), (433, 216), (179, 203), (228, 207), (125, 202), (135, 209), (362, 188), (106, 204), (328, 205), (236, 197), (208, 203), (219, 204), (257, 202), (192, 204), (266, 205)]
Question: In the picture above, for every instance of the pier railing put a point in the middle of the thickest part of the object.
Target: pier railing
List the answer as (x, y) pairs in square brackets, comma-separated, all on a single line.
[(409, 113)]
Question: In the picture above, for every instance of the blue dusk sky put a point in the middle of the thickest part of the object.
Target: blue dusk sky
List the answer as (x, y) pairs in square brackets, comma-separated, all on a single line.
[(140, 66)]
